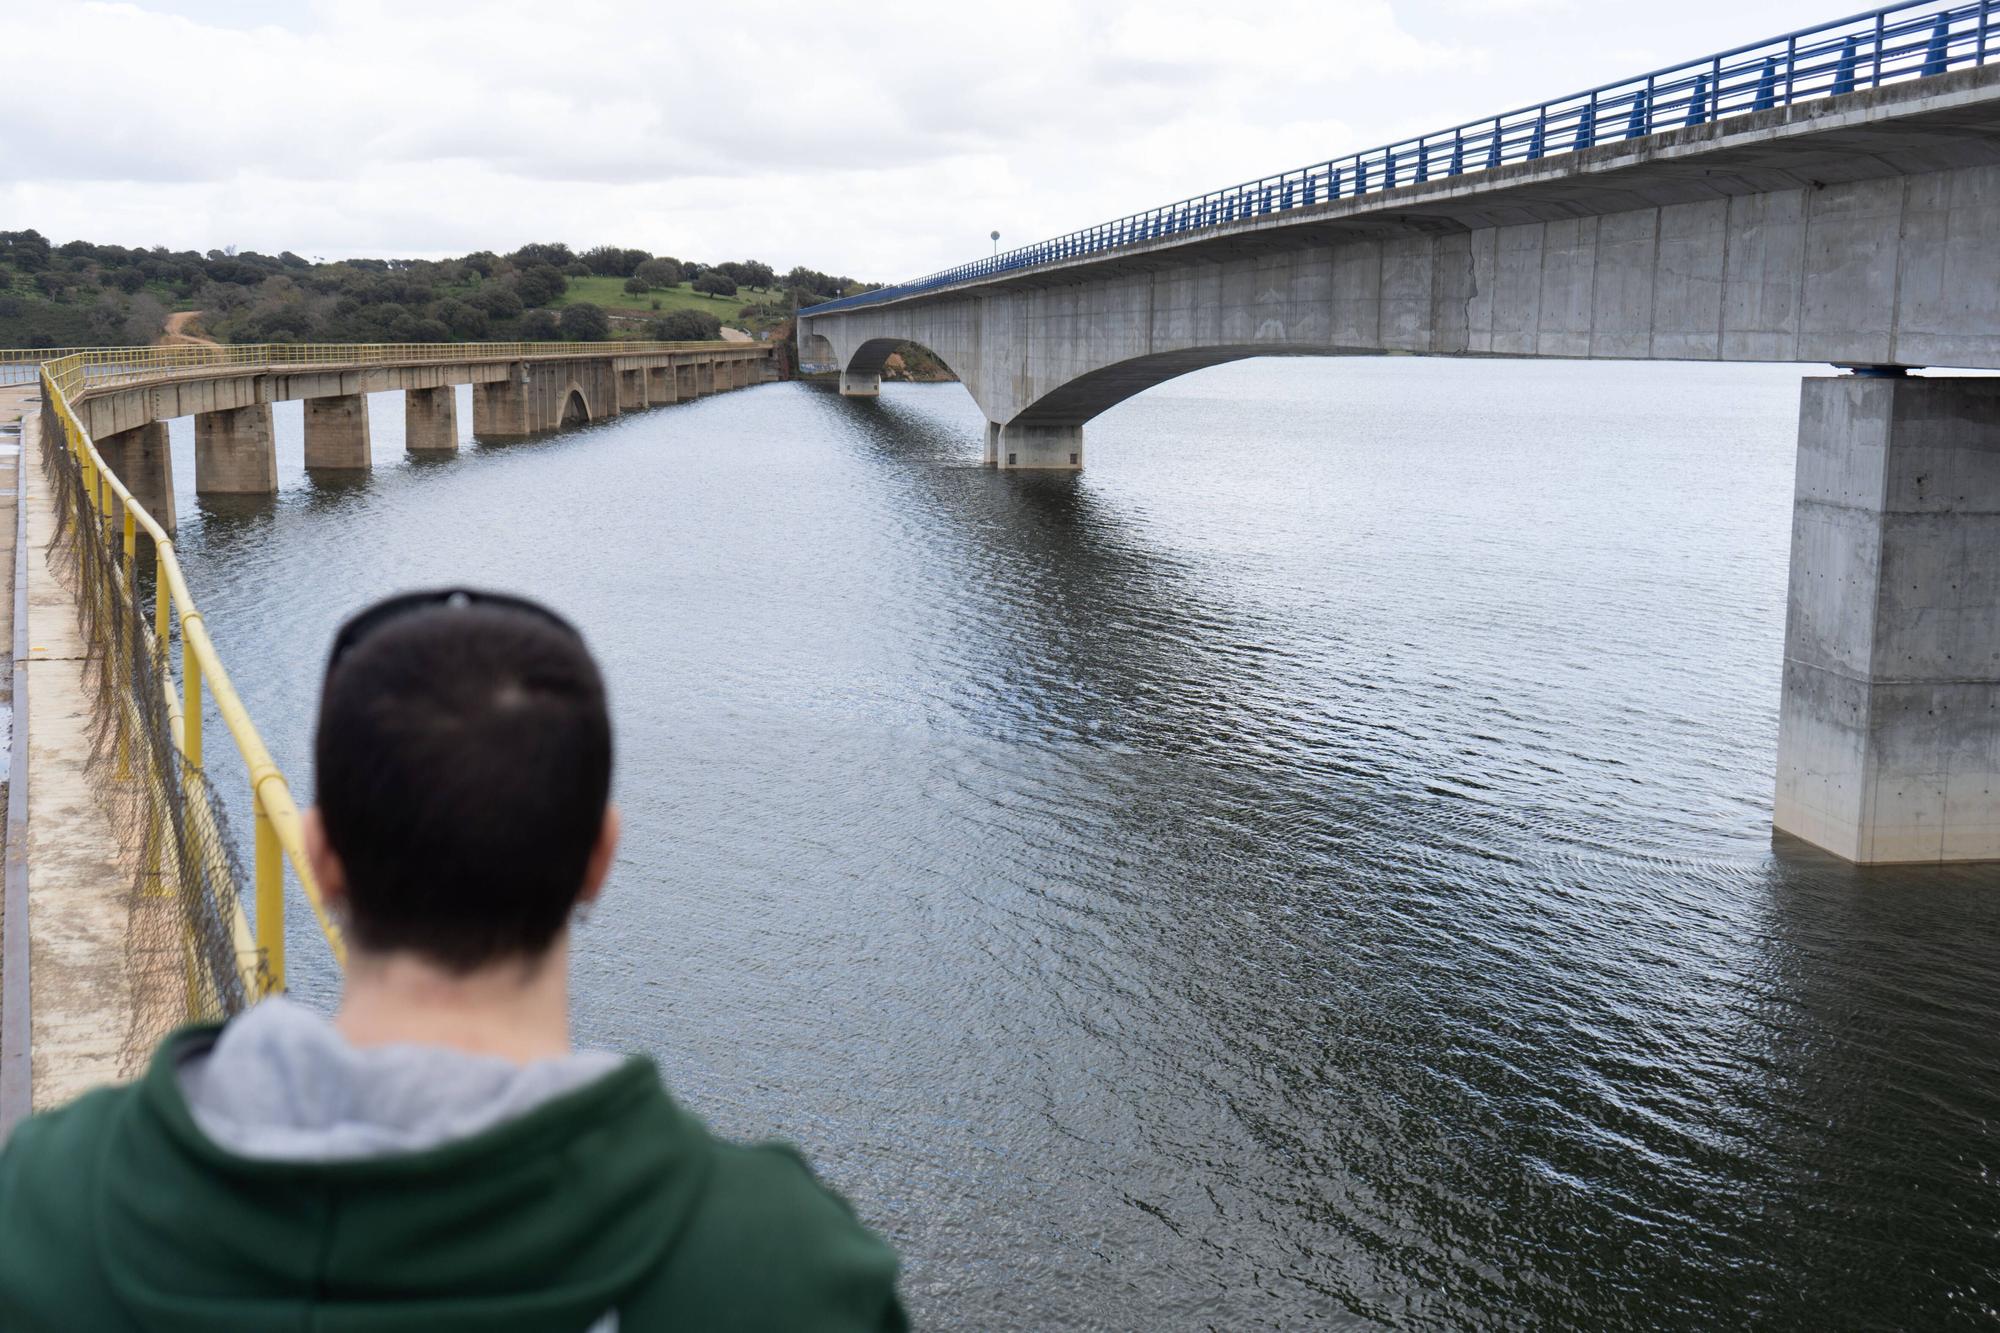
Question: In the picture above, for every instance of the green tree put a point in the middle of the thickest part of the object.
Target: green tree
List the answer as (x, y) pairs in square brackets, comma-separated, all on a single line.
[(661, 272), (539, 326), (584, 323), (685, 326)]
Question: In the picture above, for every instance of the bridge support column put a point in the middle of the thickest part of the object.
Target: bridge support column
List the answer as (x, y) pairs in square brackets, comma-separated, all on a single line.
[(500, 409), (1041, 447), (337, 433), (704, 378), (142, 460), (992, 456), (631, 390), (685, 385), (661, 385), (857, 385), (430, 420), (1889, 729), (234, 452)]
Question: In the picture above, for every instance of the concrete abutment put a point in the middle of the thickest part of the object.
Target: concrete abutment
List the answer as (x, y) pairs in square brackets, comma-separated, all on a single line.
[(1889, 725), (500, 408), (1039, 446), (860, 384), (143, 460), (430, 420), (336, 433), (235, 452)]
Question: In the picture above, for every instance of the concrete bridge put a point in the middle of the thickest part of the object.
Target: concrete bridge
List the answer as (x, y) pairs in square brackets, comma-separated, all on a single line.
[(517, 390), (1831, 196)]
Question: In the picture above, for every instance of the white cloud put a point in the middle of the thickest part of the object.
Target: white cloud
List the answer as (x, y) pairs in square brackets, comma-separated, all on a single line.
[(881, 142)]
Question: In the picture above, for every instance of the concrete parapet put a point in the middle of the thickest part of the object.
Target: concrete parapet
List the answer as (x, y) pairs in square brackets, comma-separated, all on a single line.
[(144, 461), (1889, 726), (430, 420), (234, 452), (1025, 445), (336, 431)]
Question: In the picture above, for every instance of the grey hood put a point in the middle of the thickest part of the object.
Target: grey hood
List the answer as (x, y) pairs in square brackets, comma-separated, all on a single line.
[(282, 1084)]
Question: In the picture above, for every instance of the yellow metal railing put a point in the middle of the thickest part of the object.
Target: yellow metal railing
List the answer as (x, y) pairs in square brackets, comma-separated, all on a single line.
[(118, 518)]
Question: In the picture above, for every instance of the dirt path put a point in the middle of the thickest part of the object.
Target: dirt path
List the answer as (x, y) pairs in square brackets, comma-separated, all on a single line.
[(177, 330)]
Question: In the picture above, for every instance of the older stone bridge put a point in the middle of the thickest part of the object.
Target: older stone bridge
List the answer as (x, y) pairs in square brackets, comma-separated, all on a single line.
[(517, 390)]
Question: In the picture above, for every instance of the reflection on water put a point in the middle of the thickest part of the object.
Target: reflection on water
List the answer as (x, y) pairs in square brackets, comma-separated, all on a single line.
[(1311, 869)]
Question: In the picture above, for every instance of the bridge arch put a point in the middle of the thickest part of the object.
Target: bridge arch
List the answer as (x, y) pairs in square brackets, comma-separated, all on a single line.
[(861, 373), (575, 407), (1095, 391)]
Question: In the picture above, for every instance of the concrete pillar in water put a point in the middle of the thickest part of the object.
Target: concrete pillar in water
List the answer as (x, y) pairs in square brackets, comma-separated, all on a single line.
[(661, 386), (1889, 727), (992, 458), (854, 384), (337, 433), (704, 378), (234, 452), (685, 384), (631, 390), (430, 420), (142, 460), (1040, 446), (500, 409)]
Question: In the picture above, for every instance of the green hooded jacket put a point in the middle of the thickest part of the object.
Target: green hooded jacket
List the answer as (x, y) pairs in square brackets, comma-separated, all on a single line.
[(607, 1207)]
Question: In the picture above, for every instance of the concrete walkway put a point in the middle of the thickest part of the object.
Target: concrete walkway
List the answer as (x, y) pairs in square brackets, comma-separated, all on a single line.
[(83, 988)]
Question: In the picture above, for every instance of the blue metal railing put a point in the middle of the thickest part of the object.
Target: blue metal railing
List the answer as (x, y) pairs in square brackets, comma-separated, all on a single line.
[(1905, 41)]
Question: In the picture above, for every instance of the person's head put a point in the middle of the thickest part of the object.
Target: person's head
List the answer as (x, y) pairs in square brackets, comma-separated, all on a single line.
[(463, 775)]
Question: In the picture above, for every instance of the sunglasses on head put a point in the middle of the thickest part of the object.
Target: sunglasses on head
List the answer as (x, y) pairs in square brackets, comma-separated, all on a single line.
[(364, 623)]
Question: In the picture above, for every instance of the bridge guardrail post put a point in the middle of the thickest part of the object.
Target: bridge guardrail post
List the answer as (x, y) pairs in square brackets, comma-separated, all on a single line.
[(270, 879)]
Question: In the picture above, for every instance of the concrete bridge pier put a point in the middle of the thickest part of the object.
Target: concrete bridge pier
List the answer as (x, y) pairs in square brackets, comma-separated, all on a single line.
[(631, 390), (860, 384), (1889, 727), (662, 385), (992, 455), (500, 408), (234, 452), (336, 430), (430, 420), (140, 458), (1040, 446), (685, 385)]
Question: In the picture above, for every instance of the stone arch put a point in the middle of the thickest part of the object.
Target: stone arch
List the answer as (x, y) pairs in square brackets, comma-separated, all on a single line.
[(575, 407)]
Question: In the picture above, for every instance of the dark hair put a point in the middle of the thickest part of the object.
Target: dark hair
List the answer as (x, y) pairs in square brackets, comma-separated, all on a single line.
[(463, 763)]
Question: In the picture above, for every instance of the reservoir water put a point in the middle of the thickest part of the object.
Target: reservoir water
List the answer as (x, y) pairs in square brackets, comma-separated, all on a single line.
[(1310, 870)]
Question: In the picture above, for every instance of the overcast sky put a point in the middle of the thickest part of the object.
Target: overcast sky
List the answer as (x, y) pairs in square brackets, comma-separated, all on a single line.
[(880, 141)]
